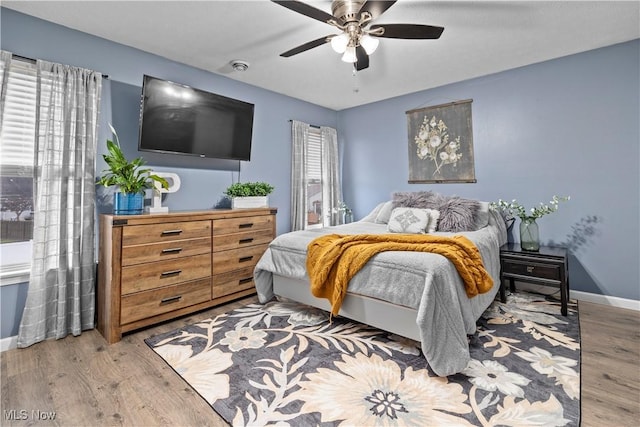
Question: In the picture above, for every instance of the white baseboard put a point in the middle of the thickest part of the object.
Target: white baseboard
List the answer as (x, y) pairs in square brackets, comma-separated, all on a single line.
[(8, 343), (606, 300), (583, 296)]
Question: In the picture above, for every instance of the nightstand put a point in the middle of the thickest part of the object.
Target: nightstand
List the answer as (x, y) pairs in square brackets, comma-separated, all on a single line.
[(549, 267)]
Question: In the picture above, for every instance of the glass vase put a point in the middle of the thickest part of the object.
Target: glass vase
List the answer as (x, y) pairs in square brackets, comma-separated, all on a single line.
[(128, 203), (529, 235)]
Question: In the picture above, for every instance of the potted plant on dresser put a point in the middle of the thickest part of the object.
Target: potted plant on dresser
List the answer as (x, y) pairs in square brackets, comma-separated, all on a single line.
[(249, 194), (131, 178)]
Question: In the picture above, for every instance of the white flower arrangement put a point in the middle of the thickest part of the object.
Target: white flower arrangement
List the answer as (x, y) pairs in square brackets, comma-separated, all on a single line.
[(342, 208), (515, 208)]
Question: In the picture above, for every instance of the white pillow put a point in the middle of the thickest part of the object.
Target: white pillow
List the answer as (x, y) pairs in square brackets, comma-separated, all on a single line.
[(482, 216), (384, 213), (371, 216), (434, 216), (412, 220)]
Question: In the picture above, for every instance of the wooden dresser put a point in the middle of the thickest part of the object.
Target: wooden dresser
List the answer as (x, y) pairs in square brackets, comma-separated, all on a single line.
[(156, 267)]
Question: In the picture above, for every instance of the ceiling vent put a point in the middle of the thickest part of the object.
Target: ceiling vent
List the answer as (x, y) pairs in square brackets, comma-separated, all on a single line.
[(239, 65)]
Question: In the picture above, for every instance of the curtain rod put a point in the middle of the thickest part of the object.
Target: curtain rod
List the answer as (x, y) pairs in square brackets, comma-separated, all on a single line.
[(26, 58), (313, 126)]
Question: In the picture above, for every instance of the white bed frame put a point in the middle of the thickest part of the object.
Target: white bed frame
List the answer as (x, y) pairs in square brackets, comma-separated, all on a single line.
[(381, 314)]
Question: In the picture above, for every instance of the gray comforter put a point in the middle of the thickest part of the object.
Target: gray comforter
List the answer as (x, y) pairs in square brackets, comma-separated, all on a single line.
[(428, 283)]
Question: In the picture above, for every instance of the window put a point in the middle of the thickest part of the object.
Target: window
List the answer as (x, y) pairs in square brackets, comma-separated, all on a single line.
[(315, 213), (17, 136)]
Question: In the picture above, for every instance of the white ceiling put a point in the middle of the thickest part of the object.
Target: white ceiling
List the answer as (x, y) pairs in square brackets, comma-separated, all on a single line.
[(480, 38)]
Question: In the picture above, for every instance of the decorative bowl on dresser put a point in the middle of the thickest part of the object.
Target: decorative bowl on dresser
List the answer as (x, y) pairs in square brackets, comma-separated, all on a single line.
[(157, 267)]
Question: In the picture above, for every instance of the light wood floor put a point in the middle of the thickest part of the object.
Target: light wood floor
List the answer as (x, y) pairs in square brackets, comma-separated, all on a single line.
[(89, 383)]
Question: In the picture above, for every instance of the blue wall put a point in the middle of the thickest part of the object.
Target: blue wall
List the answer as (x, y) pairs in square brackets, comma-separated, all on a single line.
[(201, 189), (12, 298), (569, 126)]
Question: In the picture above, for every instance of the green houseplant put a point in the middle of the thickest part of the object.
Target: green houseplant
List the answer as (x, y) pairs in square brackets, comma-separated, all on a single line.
[(249, 194), (130, 177)]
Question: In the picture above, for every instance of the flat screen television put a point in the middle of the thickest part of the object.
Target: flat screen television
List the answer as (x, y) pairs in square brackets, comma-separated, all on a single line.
[(178, 119)]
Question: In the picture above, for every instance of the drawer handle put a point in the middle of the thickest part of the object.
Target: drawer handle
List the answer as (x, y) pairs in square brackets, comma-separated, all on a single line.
[(245, 259), (247, 280), (170, 273), (248, 225), (171, 232), (169, 300), (530, 269), (249, 240), (171, 250)]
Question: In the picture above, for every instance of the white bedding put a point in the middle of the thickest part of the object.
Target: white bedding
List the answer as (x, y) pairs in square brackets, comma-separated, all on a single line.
[(427, 283)]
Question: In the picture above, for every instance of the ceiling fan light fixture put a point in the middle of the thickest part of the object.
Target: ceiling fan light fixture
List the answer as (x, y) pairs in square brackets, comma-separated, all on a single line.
[(350, 55), (369, 44), (339, 43)]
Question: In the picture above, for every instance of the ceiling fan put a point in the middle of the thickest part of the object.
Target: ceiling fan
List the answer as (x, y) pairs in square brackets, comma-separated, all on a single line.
[(358, 38)]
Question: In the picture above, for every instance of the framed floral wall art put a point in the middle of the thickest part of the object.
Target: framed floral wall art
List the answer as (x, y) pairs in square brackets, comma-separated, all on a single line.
[(441, 144)]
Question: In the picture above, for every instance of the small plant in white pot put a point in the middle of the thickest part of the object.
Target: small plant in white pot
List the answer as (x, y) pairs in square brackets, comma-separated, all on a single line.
[(249, 194)]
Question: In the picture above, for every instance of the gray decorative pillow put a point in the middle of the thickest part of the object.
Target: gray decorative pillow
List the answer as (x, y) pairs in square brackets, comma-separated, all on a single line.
[(408, 220), (417, 199), (458, 214)]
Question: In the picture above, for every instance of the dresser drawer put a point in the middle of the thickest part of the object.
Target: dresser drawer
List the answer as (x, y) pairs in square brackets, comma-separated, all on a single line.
[(236, 259), (234, 281), (153, 275), (154, 233), (531, 269), (225, 242), (158, 301), (250, 223), (139, 254)]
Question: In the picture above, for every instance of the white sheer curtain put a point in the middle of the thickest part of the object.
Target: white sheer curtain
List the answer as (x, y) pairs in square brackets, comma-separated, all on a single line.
[(331, 187), (61, 295), (300, 171), (299, 136)]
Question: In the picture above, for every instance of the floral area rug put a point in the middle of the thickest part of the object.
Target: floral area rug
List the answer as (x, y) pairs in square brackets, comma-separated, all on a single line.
[(283, 363)]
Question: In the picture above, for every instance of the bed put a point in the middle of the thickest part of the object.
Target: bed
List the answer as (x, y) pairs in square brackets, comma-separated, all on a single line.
[(412, 294)]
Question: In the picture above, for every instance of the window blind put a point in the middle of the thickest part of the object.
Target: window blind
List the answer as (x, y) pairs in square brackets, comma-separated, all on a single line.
[(18, 122), (314, 155)]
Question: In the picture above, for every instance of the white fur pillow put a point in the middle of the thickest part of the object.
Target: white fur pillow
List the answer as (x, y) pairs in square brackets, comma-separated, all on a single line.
[(412, 220)]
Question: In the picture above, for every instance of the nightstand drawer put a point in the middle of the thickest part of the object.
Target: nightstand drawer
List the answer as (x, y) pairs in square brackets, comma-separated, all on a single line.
[(531, 269)]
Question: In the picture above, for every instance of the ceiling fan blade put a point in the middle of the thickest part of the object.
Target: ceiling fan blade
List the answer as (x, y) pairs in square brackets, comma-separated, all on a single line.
[(376, 8), (409, 31), (306, 46), (362, 60), (305, 9)]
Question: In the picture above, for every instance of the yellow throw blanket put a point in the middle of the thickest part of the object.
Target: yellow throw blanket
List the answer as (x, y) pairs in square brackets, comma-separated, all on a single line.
[(333, 259)]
